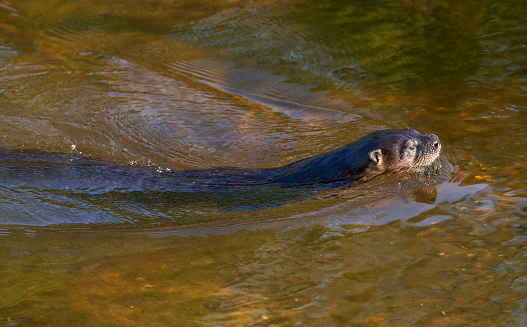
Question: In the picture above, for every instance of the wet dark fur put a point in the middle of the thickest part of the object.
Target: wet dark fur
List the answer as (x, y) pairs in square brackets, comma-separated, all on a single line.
[(374, 154)]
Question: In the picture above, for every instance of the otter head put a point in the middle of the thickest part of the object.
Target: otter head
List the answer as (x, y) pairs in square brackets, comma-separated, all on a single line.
[(371, 155), (395, 151)]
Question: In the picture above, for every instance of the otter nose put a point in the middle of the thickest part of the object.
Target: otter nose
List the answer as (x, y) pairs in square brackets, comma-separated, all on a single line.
[(436, 144)]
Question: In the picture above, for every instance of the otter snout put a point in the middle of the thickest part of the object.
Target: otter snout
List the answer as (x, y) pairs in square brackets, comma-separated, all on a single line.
[(434, 142), (430, 148)]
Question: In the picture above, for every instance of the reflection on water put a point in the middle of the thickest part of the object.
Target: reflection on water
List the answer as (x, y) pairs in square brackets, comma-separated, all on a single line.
[(201, 84)]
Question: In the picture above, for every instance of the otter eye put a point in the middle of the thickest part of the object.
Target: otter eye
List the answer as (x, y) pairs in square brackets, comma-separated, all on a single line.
[(409, 149)]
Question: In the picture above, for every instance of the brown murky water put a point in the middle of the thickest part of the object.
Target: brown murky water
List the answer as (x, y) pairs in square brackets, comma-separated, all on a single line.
[(199, 84)]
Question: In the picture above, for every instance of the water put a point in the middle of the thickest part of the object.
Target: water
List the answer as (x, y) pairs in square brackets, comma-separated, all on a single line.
[(178, 85)]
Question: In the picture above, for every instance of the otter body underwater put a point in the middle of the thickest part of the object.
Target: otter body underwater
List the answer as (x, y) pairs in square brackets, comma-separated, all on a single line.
[(389, 151)]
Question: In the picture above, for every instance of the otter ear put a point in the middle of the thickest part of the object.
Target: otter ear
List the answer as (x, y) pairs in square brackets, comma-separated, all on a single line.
[(375, 156)]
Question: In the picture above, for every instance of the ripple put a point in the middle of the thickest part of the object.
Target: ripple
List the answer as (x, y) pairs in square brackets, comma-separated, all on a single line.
[(270, 90)]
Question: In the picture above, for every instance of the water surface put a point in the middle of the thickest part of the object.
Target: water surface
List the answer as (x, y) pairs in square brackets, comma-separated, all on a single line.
[(159, 86)]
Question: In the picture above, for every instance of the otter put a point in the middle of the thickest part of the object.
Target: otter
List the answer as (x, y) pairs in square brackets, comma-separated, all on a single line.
[(372, 155)]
